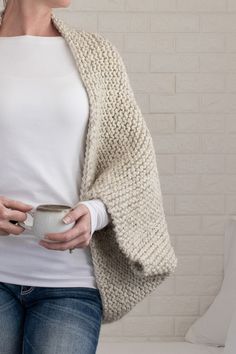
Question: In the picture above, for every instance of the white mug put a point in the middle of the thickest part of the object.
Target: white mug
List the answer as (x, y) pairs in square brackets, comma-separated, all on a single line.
[(47, 218)]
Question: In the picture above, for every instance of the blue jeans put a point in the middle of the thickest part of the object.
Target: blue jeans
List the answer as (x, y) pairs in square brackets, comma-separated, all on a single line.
[(42, 320)]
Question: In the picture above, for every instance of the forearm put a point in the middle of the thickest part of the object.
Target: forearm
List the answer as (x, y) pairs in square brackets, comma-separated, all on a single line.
[(98, 212)]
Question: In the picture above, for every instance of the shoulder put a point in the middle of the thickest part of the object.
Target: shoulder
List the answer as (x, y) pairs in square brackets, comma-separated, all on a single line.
[(99, 39), (93, 43), (106, 49)]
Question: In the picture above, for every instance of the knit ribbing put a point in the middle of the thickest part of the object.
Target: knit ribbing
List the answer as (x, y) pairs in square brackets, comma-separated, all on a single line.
[(133, 254)]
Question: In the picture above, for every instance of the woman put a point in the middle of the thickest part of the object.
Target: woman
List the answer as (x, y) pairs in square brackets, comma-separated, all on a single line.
[(67, 317), (72, 133)]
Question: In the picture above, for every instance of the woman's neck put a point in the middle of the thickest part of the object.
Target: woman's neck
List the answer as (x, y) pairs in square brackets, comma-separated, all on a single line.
[(17, 24)]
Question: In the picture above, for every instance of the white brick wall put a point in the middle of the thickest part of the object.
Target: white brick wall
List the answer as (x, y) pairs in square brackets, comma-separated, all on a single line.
[(181, 60)]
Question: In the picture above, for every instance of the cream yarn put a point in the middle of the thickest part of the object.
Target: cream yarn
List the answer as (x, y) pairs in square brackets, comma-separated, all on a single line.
[(133, 254)]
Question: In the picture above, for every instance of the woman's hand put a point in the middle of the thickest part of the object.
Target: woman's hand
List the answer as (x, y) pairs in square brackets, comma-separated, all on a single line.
[(77, 237), (12, 210)]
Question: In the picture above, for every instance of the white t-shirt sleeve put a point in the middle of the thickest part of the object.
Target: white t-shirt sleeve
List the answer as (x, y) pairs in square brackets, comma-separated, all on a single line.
[(98, 212)]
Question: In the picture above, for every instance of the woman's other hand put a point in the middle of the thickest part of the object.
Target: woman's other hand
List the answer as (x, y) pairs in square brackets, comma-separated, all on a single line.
[(77, 237), (12, 210)]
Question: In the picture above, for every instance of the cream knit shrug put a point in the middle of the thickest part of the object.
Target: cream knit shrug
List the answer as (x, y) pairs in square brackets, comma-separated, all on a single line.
[(133, 254)]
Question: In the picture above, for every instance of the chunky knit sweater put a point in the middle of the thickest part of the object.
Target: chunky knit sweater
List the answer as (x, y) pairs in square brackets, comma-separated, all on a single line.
[(133, 254)]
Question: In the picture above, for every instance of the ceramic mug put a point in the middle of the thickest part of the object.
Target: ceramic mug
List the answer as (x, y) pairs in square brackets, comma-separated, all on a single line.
[(47, 218)]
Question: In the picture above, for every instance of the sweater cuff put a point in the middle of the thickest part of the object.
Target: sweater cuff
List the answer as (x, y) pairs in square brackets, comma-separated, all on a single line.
[(98, 213)]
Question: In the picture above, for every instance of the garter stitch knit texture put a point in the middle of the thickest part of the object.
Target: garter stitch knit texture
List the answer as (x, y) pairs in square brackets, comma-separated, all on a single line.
[(133, 254)]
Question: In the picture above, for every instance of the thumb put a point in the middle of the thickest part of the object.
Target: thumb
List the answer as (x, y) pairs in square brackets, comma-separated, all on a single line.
[(74, 214)]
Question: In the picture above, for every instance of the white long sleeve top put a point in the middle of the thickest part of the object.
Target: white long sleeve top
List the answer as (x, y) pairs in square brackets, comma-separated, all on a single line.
[(43, 124)]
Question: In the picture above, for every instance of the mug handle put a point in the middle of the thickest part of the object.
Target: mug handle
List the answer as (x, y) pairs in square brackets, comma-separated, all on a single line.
[(23, 224)]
